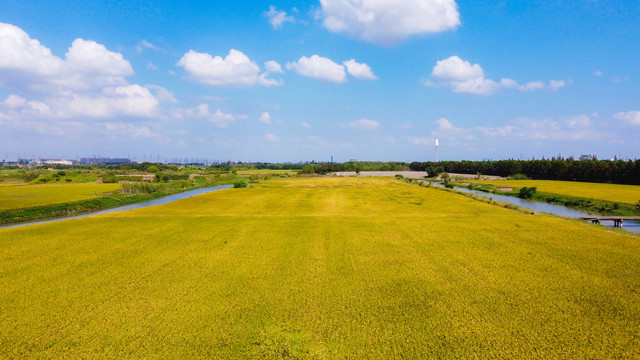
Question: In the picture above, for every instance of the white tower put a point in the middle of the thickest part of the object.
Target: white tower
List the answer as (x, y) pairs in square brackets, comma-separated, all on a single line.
[(436, 150)]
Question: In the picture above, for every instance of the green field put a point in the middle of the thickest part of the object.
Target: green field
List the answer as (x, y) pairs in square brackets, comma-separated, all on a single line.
[(322, 268), (628, 194), (19, 196)]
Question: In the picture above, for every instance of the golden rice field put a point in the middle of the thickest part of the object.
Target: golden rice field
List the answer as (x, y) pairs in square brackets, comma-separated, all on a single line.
[(19, 196), (628, 194), (320, 268)]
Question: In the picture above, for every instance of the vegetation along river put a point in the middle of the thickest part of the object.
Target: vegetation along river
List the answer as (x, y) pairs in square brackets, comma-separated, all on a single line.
[(632, 226), (164, 200)]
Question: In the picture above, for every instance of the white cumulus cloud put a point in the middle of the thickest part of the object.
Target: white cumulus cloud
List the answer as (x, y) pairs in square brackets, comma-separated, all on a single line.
[(265, 118), (463, 77), (359, 71), (278, 18), (630, 117), (273, 67), (319, 67), (26, 64), (388, 21), (556, 84), (89, 82), (236, 69), (574, 128), (272, 137), (266, 81), (447, 131), (365, 124), (21, 53), (218, 118), (129, 100), (162, 94)]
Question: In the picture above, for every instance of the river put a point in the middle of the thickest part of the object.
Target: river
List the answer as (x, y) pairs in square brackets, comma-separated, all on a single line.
[(632, 226), (161, 201)]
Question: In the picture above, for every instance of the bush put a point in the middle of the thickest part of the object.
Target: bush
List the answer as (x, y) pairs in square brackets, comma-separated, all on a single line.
[(110, 179), (161, 178), (241, 183), (527, 192), (398, 176), (308, 169), (518, 177)]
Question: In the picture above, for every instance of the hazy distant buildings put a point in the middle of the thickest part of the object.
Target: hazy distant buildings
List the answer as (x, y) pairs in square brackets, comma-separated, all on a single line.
[(104, 161), (57, 162)]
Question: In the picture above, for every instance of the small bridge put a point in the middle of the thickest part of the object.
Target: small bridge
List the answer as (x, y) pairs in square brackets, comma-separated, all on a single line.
[(617, 220)]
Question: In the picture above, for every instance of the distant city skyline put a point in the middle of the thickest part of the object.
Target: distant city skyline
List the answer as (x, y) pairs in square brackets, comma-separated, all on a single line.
[(291, 81)]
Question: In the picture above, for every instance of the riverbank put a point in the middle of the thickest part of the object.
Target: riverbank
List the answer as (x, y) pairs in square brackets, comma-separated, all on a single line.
[(603, 207), (532, 206), (127, 196)]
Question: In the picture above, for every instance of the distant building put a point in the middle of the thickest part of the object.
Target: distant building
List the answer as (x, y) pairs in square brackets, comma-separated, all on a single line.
[(57, 161), (104, 161)]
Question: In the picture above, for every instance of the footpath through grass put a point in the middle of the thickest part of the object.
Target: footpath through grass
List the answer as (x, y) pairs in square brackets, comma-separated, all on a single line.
[(320, 268)]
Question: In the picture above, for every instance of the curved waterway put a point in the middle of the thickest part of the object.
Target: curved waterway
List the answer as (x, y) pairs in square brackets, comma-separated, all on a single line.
[(632, 226), (161, 201)]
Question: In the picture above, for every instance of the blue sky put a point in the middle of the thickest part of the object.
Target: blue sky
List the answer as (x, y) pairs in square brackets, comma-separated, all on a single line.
[(306, 80)]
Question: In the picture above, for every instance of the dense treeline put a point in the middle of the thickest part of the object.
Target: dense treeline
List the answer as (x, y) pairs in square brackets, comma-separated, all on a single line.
[(617, 171), (356, 166)]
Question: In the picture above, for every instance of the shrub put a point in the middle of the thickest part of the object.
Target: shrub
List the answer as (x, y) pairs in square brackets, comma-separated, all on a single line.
[(30, 176), (308, 169), (518, 177), (398, 176), (240, 183), (110, 179), (527, 192), (161, 178)]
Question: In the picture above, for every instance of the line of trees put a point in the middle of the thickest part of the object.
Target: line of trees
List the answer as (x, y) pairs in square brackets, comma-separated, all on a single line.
[(590, 170), (356, 166)]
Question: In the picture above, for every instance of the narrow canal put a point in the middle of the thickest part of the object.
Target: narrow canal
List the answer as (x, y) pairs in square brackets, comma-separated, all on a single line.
[(632, 226), (161, 201)]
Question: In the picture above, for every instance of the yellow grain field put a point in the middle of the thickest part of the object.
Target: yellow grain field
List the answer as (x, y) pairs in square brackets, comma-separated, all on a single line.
[(628, 194), (20, 196), (320, 268)]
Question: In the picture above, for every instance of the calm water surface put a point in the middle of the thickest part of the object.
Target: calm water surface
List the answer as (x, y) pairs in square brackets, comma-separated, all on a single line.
[(164, 200), (632, 226)]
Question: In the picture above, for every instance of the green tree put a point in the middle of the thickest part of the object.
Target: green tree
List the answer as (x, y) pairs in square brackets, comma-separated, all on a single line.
[(527, 192)]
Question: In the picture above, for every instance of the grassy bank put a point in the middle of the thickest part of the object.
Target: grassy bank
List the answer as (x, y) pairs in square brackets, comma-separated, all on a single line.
[(607, 199), (21, 196), (56, 206), (319, 268)]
